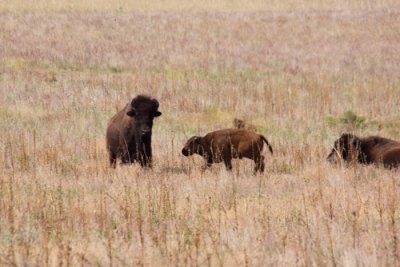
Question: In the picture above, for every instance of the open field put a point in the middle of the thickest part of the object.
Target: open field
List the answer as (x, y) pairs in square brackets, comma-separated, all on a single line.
[(205, 5), (301, 75)]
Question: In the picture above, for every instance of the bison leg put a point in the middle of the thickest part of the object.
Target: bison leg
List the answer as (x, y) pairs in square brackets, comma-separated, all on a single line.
[(113, 160), (209, 161), (228, 164), (126, 158), (144, 160), (260, 165)]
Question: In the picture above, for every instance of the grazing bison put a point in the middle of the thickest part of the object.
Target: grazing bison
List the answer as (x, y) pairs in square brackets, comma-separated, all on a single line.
[(241, 124), (129, 132), (224, 145), (373, 149)]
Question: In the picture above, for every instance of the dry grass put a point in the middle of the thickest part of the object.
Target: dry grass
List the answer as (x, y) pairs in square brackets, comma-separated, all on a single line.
[(129, 5), (64, 74)]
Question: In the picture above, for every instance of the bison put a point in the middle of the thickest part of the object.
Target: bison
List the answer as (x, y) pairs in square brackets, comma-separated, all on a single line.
[(242, 124), (368, 150), (224, 145), (129, 132)]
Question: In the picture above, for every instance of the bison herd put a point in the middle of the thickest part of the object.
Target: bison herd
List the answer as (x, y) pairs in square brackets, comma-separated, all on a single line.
[(128, 138)]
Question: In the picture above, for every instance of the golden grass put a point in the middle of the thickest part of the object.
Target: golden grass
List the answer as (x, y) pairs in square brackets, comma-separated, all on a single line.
[(129, 5), (64, 74)]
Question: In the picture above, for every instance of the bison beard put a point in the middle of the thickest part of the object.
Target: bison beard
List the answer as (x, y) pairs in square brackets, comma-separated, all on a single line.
[(129, 132)]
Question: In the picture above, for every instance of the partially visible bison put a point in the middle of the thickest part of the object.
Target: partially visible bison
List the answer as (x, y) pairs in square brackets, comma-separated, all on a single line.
[(368, 150), (242, 124), (129, 132), (224, 145)]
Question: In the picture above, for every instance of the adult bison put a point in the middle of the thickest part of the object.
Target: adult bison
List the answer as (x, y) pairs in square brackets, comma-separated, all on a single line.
[(368, 150), (224, 145), (129, 132)]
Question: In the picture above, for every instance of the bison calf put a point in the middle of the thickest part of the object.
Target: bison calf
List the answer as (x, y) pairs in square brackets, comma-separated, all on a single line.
[(241, 124), (224, 145), (129, 132), (369, 150)]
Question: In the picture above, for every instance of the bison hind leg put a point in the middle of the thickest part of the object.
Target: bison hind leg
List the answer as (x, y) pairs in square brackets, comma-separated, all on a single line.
[(260, 165)]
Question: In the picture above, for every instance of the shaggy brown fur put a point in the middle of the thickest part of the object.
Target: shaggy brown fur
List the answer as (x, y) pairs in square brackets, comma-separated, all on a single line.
[(129, 132), (224, 145), (241, 124), (373, 149)]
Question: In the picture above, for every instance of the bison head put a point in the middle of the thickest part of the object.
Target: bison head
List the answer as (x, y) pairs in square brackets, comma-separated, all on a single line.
[(193, 145), (238, 123), (144, 109), (347, 147)]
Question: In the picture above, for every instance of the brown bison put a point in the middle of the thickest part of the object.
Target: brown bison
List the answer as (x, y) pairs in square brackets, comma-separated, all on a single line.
[(373, 149), (129, 132), (224, 145), (241, 124)]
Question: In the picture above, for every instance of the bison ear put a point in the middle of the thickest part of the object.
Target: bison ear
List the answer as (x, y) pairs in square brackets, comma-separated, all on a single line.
[(196, 139), (131, 113), (157, 114), (155, 102)]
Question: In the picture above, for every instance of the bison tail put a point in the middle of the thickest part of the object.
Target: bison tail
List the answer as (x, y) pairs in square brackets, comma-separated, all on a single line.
[(269, 146)]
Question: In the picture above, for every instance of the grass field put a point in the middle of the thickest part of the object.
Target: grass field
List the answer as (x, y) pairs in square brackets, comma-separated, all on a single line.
[(303, 72)]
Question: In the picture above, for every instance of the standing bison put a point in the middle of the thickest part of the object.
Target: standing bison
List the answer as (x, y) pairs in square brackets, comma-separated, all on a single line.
[(129, 132), (368, 150), (224, 145)]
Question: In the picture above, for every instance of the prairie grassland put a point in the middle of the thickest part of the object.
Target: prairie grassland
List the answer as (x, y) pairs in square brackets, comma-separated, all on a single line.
[(207, 5), (293, 74)]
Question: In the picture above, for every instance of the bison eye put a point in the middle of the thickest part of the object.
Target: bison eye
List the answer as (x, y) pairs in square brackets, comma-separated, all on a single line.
[(131, 113)]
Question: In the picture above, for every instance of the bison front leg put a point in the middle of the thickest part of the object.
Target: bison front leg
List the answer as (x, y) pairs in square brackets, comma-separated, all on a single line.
[(113, 160), (208, 163), (145, 155), (228, 164)]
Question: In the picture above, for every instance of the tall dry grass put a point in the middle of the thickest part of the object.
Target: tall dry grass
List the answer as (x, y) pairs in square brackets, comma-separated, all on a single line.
[(64, 74), (129, 5)]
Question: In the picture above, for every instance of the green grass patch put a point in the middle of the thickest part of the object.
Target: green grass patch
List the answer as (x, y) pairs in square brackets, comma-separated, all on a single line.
[(349, 119)]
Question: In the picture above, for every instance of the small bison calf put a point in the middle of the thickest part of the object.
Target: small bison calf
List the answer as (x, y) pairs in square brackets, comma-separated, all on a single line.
[(224, 145), (242, 124)]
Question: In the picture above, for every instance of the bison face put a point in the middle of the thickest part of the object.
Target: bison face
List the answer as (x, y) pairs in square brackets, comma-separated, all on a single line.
[(143, 120), (143, 109), (192, 146), (238, 123), (347, 148)]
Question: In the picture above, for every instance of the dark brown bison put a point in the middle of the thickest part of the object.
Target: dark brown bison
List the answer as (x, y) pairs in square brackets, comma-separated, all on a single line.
[(241, 124), (129, 132), (224, 145), (373, 149)]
